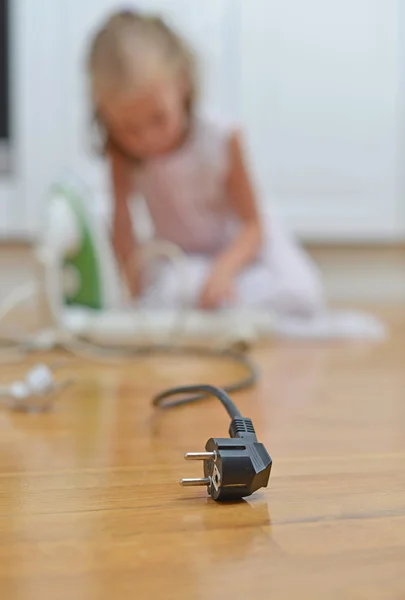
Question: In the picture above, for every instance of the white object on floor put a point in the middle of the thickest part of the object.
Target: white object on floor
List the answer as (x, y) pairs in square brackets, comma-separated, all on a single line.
[(230, 326), (36, 392), (167, 326), (331, 325)]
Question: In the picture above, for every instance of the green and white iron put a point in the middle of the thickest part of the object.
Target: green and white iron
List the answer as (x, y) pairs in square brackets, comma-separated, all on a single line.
[(76, 241)]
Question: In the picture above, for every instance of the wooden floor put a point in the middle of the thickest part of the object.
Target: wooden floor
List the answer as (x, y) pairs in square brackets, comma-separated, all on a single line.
[(91, 509)]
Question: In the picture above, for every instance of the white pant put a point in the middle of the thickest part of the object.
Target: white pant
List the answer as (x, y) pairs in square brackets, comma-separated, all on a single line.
[(285, 280)]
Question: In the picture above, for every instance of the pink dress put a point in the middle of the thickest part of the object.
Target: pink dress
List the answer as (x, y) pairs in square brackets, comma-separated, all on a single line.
[(186, 196)]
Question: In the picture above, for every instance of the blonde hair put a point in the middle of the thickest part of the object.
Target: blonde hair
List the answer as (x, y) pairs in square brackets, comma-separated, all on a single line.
[(130, 48)]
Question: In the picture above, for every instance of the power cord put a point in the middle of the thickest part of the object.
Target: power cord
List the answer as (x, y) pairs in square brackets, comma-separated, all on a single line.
[(234, 467), (242, 360), (39, 389)]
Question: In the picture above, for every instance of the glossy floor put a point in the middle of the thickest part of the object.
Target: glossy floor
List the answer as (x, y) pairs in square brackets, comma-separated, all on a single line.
[(90, 506)]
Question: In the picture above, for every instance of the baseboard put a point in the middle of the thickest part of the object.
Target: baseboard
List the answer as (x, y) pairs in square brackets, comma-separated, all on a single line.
[(371, 273), (362, 274)]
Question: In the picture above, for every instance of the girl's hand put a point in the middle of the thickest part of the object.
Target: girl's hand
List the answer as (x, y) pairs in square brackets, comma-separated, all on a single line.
[(218, 288)]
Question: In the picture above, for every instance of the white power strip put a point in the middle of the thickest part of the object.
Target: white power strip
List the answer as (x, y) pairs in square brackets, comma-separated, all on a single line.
[(69, 327), (113, 327), (228, 326)]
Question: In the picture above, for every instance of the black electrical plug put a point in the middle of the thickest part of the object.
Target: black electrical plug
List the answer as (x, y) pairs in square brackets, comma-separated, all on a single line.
[(234, 467)]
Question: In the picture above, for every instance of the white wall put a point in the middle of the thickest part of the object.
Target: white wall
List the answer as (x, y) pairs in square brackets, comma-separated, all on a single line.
[(317, 84), (322, 105), (38, 88)]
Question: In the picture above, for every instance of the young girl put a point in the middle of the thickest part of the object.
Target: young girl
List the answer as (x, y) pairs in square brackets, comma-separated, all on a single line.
[(193, 176)]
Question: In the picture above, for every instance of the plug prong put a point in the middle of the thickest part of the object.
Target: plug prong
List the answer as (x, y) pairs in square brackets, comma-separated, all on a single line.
[(195, 482), (200, 456)]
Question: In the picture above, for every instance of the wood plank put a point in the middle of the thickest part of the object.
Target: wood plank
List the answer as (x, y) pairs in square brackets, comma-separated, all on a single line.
[(90, 506)]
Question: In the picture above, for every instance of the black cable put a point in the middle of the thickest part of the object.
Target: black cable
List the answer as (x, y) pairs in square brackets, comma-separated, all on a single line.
[(234, 467), (249, 380), (207, 390), (242, 360)]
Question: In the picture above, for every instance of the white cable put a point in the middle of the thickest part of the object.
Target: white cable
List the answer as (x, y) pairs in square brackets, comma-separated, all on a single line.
[(17, 297), (175, 255), (89, 350), (60, 335)]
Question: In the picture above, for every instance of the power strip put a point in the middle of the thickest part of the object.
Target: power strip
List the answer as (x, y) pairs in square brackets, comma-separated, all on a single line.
[(113, 327)]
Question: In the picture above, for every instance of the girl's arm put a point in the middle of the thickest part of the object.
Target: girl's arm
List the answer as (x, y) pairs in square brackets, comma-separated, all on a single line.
[(247, 244), (123, 237)]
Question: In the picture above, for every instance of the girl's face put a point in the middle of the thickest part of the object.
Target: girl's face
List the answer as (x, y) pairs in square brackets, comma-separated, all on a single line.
[(148, 123)]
